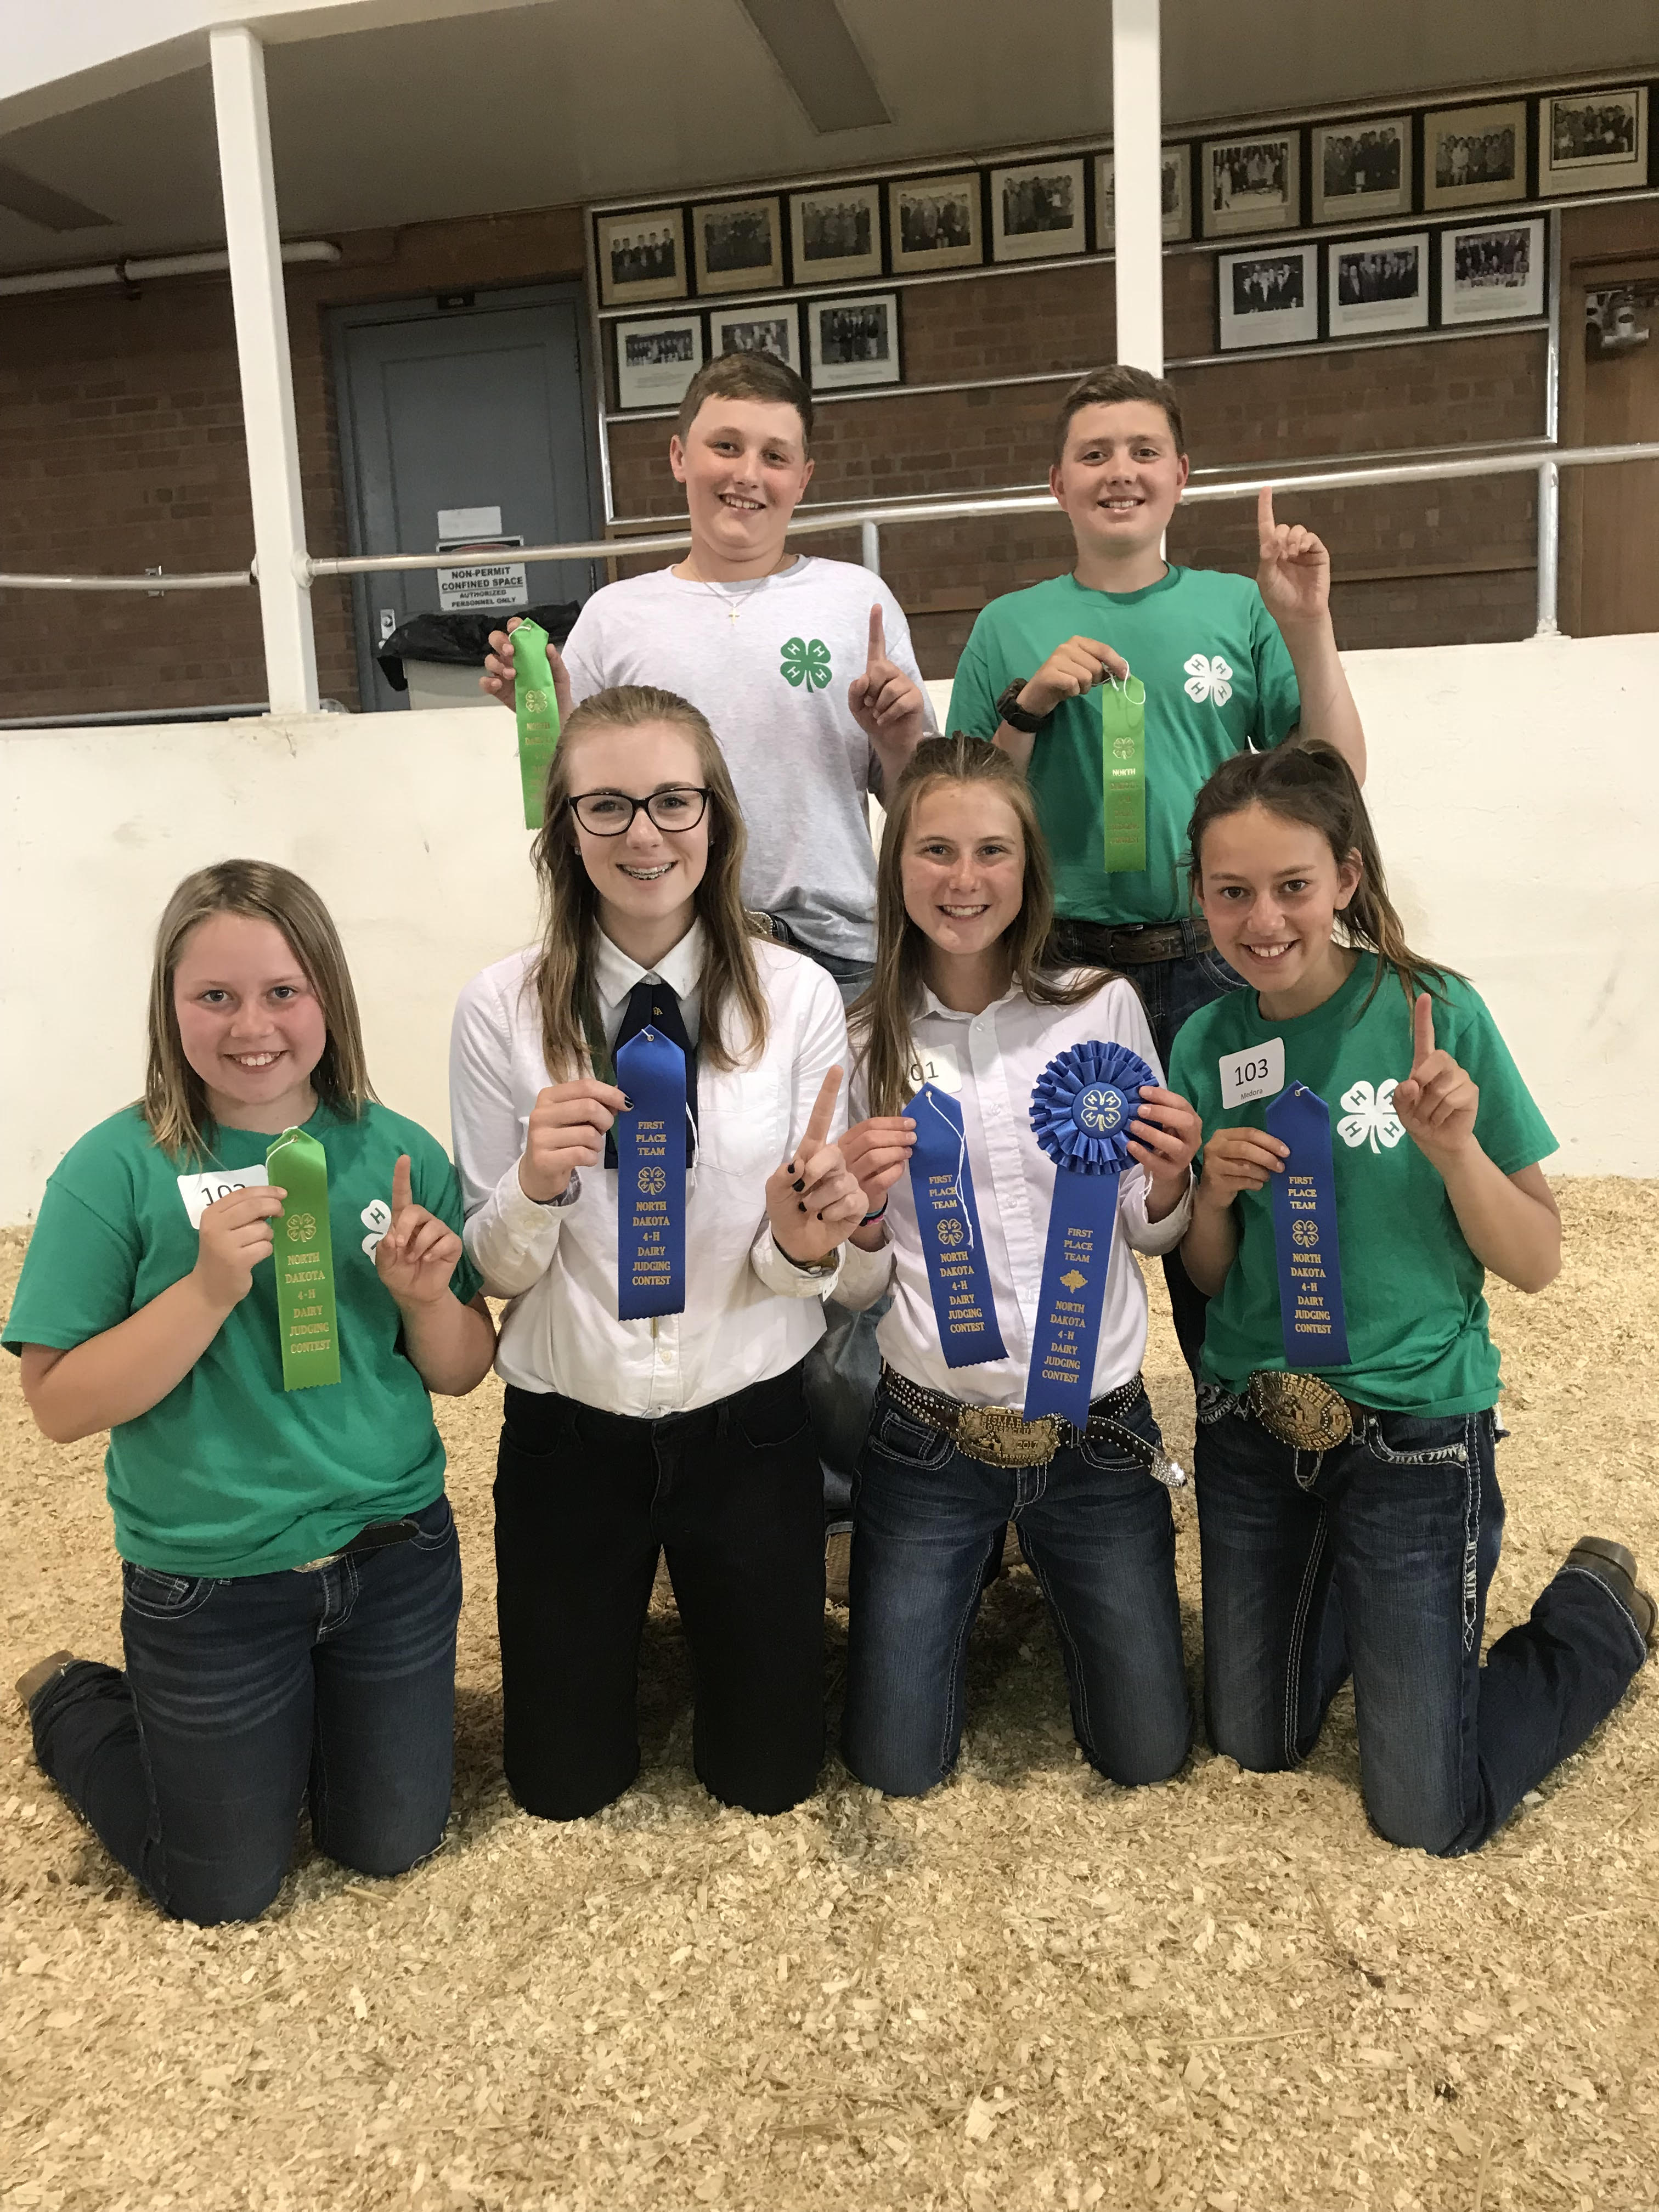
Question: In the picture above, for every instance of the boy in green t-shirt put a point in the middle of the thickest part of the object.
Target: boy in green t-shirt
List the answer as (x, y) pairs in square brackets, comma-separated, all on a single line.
[(1227, 664)]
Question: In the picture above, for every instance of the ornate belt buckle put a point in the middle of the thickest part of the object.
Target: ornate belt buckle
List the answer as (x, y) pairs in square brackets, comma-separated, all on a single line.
[(1001, 1438), (1300, 1410)]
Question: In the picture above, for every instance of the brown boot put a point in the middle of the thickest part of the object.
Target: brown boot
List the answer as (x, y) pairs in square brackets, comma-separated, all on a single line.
[(1614, 1564), (30, 1685)]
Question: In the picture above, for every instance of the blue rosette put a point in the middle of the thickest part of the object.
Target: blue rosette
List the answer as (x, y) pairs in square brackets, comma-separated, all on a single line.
[(1081, 1109), (1082, 1104)]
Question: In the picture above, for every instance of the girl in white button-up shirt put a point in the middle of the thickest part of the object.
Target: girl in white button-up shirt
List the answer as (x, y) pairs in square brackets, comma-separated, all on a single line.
[(687, 1434), (963, 999)]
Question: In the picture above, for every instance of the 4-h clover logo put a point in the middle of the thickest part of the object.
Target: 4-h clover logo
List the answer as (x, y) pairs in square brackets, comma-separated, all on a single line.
[(536, 702), (1100, 1110), (1370, 1115), (1305, 1233), (805, 660), (302, 1227), (949, 1232), (653, 1181), (1208, 679)]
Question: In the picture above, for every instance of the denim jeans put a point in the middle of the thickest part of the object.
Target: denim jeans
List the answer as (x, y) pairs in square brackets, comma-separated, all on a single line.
[(1170, 991), (1098, 1533), (241, 1699), (585, 1502), (1399, 1528)]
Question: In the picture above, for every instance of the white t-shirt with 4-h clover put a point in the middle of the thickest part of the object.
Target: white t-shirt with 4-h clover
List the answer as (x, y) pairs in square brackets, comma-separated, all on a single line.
[(768, 663)]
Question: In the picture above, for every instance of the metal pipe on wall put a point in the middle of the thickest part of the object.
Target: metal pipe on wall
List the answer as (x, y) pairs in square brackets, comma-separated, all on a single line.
[(1138, 183)]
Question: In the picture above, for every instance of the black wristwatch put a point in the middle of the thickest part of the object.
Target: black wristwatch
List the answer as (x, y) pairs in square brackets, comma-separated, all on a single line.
[(1017, 717)]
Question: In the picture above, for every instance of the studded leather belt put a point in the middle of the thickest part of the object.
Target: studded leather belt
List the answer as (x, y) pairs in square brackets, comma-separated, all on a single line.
[(997, 1437)]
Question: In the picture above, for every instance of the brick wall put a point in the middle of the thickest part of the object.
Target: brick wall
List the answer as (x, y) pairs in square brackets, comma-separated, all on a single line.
[(121, 448)]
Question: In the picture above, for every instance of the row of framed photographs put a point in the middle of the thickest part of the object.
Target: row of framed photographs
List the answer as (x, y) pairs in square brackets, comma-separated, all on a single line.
[(1440, 160), (1485, 272), (852, 342)]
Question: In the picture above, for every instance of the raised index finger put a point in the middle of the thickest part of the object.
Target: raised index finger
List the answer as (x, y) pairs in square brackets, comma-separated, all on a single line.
[(403, 1195), (1265, 528), (877, 636), (823, 1112), (1422, 1029)]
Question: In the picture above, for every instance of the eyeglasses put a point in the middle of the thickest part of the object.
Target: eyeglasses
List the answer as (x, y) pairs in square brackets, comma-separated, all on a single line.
[(610, 813)]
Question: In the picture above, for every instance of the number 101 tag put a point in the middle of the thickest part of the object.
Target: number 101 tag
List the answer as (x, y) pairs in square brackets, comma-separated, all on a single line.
[(1257, 1074)]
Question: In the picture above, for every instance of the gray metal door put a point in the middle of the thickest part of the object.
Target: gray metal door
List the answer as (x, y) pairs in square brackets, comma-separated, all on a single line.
[(445, 410)]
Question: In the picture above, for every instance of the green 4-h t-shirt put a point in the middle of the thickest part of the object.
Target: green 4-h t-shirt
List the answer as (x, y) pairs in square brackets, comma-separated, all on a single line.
[(230, 1474), (1217, 676), (1412, 1289)]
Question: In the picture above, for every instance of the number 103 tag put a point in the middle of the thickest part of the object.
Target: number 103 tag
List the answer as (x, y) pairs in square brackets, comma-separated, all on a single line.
[(1257, 1074)]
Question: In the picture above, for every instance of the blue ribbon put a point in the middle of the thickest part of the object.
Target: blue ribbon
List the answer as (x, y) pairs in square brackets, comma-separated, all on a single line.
[(942, 1185), (1081, 1110), (651, 1178), (1310, 1309)]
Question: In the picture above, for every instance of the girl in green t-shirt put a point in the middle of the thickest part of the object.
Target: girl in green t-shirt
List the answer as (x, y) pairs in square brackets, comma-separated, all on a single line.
[(291, 1576), (1349, 1511)]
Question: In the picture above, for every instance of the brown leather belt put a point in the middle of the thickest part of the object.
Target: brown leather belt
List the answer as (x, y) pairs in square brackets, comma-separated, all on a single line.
[(997, 1437), (1132, 944)]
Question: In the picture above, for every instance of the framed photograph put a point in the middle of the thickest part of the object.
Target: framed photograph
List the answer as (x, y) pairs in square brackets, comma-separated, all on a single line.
[(932, 222), (1593, 142), (1362, 169), (835, 232), (1252, 184), (1177, 196), (738, 245), (1378, 284), (656, 359), (1492, 271), (1475, 155), (1268, 296), (640, 257), (774, 330), (853, 341), (1037, 211)]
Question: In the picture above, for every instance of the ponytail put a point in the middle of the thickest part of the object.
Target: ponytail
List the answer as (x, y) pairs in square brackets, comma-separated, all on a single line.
[(1310, 782)]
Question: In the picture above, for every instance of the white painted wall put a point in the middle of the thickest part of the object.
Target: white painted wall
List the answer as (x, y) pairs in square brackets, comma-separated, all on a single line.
[(1516, 790)]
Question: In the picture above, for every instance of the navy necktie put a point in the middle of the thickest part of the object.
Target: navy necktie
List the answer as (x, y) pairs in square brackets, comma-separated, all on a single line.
[(654, 1006)]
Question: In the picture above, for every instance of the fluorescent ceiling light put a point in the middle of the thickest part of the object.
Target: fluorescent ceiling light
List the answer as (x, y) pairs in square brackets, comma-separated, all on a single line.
[(37, 203), (814, 50)]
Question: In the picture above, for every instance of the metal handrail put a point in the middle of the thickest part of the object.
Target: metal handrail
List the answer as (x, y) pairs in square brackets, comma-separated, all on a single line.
[(871, 520)]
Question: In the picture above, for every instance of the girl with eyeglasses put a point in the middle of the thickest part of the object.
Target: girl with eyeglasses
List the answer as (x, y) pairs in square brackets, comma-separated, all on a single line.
[(684, 1433)]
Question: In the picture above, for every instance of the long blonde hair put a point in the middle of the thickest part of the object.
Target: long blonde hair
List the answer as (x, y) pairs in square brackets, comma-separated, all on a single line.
[(175, 1096), (880, 1021), (563, 976)]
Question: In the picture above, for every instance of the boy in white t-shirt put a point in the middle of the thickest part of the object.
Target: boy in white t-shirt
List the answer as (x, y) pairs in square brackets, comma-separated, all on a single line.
[(803, 667)]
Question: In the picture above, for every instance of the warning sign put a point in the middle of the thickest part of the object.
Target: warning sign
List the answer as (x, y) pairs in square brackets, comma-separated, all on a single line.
[(490, 584)]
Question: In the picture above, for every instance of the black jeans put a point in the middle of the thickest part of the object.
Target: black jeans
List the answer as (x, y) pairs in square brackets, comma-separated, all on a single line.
[(584, 1501), (244, 1699), (1170, 991)]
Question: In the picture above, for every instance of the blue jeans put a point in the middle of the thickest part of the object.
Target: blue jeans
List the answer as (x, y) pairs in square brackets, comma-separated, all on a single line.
[(1098, 1533), (243, 1697), (1378, 1555)]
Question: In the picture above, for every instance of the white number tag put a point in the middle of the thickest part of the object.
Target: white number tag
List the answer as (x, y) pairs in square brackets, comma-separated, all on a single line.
[(939, 1065), (199, 1191), (1257, 1074)]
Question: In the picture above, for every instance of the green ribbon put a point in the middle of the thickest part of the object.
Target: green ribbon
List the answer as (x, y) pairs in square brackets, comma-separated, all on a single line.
[(1123, 774), (538, 716), (306, 1311)]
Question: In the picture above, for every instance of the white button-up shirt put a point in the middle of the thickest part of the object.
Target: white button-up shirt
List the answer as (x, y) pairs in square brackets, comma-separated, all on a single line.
[(750, 1313), (991, 1062)]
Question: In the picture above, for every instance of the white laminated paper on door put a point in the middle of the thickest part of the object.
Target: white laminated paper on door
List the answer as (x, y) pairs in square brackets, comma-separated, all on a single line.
[(1257, 1073), (200, 1191)]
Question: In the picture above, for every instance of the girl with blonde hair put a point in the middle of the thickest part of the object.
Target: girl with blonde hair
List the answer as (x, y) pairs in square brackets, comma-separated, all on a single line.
[(666, 1260), (966, 1018), (290, 1573)]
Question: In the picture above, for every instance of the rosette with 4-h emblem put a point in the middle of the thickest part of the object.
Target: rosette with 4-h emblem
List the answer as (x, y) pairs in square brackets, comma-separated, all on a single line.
[(1084, 1103)]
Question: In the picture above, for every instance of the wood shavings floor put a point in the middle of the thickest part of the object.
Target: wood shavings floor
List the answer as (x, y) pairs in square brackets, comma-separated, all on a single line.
[(1030, 1989)]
